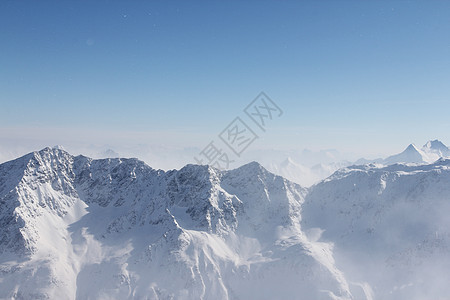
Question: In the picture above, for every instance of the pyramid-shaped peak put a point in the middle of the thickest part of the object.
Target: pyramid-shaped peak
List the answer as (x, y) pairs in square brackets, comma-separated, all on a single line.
[(410, 155), (412, 148), (252, 167)]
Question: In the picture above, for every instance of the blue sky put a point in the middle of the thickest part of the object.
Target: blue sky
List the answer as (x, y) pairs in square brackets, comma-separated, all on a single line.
[(363, 76)]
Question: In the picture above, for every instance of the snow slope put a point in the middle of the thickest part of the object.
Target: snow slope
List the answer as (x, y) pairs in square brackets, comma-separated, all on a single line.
[(390, 227), (78, 228)]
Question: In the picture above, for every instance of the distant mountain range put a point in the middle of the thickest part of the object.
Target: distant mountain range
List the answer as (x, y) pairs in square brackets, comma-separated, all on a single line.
[(430, 152), (307, 176)]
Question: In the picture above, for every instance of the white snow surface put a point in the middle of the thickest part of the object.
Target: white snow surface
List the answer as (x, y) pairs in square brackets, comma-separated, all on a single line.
[(78, 228), (389, 225)]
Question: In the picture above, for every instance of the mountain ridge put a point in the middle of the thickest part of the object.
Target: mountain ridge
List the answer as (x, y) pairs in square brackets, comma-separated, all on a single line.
[(118, 228), (75, 228)]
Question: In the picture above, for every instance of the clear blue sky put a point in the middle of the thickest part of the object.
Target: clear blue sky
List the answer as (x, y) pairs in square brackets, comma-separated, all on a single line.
[(348, 74)]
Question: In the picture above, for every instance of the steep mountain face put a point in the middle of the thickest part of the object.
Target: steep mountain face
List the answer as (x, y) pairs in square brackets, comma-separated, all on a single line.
[(78, 228), (390, 227)]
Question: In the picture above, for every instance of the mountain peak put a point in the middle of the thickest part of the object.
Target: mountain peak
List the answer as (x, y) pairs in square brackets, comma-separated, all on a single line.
[(411, 154), (435, 145), (252, 167), (54, 150), (287, 162), (430, 152), (59, 147), (436, 149), (412, 148)]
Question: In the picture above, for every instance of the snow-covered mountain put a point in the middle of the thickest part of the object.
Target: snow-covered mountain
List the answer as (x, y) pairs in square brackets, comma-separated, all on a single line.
[(78, 228), (390, 227), (411, 154), (313, 174), (436, 147), (301, 174), (293, 171), (430, 152)]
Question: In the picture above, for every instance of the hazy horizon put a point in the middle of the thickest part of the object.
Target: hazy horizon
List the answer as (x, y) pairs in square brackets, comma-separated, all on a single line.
[(366, 78)]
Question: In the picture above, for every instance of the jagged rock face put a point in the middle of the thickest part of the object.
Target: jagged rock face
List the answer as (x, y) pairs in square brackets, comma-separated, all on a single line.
[(390, 226), (73, 227)]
